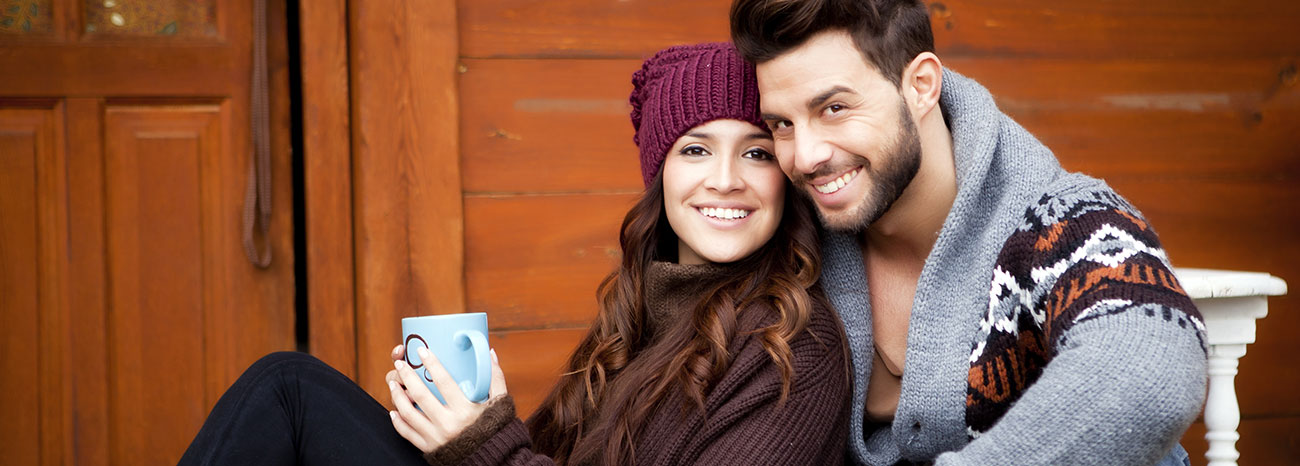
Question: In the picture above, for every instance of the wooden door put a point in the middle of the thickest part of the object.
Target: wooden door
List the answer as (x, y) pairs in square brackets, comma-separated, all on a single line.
[(127, 304)]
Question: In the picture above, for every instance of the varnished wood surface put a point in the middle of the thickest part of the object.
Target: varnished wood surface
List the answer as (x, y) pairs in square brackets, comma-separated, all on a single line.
[(27, 150), (1155, 29), (408, 214), (543, 276), (1265, 441), (147, 308), (86, 259), (327, 167), (547, 126), (155, 215)]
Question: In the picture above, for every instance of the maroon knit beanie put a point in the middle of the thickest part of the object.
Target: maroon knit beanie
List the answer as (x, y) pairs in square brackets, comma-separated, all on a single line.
[(685, 86)]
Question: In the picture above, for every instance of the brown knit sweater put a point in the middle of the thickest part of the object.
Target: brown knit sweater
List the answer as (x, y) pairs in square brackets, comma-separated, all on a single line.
[(742, 422)]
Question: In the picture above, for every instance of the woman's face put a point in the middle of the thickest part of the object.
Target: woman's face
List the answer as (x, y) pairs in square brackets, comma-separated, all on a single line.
[(723, 191)]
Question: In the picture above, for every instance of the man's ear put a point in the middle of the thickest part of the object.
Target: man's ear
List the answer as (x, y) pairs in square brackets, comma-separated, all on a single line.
[(922, 83)]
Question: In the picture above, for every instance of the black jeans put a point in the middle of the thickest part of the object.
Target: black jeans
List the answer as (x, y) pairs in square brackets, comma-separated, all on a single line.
[(291, 408)]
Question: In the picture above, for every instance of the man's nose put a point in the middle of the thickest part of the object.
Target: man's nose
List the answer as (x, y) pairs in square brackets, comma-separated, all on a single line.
[(811, 151)]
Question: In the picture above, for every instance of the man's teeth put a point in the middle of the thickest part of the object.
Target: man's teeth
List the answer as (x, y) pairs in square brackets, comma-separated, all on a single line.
[(835, 184), (724, 213)]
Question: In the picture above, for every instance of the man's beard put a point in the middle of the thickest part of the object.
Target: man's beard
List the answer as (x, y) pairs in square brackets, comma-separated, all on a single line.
[(888, 179)]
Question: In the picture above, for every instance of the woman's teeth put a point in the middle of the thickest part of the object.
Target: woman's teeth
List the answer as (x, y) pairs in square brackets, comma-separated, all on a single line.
[(726, 214), (836, 184)]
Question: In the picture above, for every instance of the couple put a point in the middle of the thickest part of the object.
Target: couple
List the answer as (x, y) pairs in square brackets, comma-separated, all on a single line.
[(1016, 313)]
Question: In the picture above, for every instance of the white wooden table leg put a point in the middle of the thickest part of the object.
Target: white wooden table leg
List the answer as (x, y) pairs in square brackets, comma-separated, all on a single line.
[(1222, 414)]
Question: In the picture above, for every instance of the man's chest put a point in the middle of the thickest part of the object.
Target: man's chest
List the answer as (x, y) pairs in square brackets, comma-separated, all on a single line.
[(892, 289)]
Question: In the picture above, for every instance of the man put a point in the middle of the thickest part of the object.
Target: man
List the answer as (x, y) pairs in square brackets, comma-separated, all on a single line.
[(1000, 310)]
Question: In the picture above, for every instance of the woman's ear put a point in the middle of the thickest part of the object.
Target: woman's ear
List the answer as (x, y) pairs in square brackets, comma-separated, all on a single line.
[(922, 84)]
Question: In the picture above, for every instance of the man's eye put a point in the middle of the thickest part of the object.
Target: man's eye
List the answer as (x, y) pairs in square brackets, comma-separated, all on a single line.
[(834, 108), (779, 124)]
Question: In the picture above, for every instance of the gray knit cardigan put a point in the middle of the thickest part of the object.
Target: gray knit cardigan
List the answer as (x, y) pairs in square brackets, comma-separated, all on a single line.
[(1046, 327)]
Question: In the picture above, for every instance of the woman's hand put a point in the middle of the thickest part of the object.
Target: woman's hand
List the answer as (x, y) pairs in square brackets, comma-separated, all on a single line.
[(438, 423)]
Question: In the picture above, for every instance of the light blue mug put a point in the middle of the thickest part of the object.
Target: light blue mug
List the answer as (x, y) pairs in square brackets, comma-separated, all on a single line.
[(460, 343)]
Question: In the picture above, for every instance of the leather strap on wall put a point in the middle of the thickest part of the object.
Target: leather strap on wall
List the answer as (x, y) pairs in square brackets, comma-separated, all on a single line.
[(257, 199)]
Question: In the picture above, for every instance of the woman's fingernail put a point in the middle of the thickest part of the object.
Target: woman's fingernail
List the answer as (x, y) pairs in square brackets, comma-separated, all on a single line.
[(397, 364), (494, 355), (424, 353), (392, 386), (393, 414)]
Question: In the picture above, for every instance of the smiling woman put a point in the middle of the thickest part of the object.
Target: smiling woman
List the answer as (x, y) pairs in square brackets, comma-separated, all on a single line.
[(723, 191), (713, 344)]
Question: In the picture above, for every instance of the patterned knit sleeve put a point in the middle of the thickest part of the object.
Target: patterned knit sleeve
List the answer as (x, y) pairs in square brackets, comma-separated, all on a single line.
[(1090, 351)]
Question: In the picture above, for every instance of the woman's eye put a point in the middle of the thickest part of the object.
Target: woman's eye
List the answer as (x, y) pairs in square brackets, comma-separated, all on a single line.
[(759, 154), (694, 150)]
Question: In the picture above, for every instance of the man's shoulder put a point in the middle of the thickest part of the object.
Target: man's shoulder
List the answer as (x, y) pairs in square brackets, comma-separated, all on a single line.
[(1070, 197), (1075, 216)]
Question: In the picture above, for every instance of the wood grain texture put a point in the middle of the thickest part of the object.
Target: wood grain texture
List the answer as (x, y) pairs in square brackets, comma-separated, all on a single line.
[(532, 362), (91, 411), (586, 28), (1154, 119), (158, 199), (1150, 29), (568, 119), (407, 191), (86, 269), (327, 166), (84, 70), (58, 357), (26, 146), (544, 275), (547, 126), (36, 365), (1000, 28), (1264, 441)]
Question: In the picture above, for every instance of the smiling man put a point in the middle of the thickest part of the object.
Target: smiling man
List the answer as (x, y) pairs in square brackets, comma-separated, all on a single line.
[(1000, 309)]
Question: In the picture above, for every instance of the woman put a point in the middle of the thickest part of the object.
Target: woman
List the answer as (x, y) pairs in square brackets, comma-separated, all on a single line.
[(712, 343)]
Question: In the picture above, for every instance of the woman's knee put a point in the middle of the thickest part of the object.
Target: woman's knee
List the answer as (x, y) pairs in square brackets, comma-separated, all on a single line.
[(286, 363)]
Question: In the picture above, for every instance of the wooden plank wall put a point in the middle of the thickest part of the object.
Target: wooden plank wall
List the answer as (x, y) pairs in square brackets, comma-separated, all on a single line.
[(1187, 108)]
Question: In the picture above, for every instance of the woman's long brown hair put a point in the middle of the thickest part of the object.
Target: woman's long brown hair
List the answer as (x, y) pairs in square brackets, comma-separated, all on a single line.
[(619, 373)]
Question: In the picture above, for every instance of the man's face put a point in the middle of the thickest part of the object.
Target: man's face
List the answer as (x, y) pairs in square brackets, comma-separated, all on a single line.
[(842, 131)]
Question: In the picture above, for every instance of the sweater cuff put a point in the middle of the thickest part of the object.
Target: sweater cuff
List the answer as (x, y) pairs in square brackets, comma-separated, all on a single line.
[(498, 414)]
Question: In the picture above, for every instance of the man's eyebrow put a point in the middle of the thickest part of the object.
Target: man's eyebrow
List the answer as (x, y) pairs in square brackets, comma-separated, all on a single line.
[(820, 99), (770, 117)]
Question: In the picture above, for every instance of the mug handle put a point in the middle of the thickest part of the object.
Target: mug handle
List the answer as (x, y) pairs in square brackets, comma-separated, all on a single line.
[(482, 362)]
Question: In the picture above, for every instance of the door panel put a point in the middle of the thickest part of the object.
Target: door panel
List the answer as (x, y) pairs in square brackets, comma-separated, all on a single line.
[(155, 185), (26, 143), (125, 151)]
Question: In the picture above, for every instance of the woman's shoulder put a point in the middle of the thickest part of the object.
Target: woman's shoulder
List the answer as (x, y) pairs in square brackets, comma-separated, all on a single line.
[(821, 342), (824, 336), (818, 357)]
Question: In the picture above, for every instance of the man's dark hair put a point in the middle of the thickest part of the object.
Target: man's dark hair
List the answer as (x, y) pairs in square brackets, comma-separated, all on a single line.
[(888, 33)]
